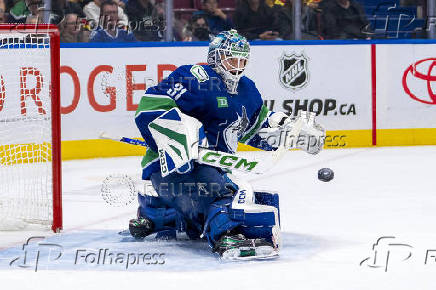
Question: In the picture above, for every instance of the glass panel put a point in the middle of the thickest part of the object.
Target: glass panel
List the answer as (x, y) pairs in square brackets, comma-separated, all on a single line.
[(198, 20)]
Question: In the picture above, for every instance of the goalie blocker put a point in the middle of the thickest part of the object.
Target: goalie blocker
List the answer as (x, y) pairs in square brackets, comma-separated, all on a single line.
[(177, 137)]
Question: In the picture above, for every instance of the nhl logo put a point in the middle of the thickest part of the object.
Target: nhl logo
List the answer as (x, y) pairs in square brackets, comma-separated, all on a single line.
[(293, 71)]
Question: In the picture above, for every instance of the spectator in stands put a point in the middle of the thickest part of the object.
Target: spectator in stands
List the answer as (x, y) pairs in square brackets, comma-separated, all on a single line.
[(343, 19), (92, 12), (158, 17), (255, 20), (74, 8), (122, 3), (32, 19), (421, 7), (111, 30), (283, 10), (71, 29), (2, 11), (197, 29), (18, 12), (216, 19), (311, 20), (24, 9), (141, 22)]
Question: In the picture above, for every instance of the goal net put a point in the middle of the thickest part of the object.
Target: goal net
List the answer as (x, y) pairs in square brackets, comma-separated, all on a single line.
[(30, 183)]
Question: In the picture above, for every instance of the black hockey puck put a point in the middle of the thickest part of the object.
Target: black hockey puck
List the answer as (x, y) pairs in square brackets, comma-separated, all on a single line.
[(325, 174)]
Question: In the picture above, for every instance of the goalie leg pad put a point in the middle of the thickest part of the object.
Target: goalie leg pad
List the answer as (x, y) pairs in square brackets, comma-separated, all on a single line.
[(254, 214), (152, 208), (268, 198), (193, 194), (253, 220), (166, 220), (219, 220), (260, 220)]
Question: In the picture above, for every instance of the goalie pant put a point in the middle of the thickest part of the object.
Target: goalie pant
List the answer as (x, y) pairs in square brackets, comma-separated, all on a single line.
[(208, 202)]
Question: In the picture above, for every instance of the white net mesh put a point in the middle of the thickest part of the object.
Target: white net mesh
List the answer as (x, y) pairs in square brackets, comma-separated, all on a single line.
[(25, 131)]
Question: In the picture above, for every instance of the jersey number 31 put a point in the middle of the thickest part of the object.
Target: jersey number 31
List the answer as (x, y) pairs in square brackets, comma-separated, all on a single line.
[(177, 91)]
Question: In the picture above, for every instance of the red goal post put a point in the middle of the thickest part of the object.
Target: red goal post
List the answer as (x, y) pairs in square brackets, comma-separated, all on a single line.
[(22, 41)]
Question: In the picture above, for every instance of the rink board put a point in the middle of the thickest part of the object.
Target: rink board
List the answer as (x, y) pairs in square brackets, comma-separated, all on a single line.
[(357, 90), (365, 93), (406, 94)]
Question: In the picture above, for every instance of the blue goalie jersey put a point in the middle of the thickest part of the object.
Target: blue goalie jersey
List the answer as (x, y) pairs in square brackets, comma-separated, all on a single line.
[(198, 91)]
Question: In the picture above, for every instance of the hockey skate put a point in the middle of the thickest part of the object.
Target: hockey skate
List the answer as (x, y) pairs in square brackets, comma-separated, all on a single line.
[(140, 228), (238, 247)]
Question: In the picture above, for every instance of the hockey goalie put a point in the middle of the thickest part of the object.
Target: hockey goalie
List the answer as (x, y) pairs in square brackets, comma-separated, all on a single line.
[(212, 106)]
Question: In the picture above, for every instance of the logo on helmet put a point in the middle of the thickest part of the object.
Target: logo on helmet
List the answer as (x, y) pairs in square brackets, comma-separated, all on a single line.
[(293, 71)]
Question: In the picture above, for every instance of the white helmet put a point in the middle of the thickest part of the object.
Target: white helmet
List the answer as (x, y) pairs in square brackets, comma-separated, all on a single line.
[(228, 56)]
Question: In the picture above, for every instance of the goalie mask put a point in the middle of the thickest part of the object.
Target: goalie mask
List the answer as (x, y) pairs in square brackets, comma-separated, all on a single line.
[(228, 56)]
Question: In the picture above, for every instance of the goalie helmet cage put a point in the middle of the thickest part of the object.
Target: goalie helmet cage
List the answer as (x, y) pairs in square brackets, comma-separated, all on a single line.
[(30, 162)]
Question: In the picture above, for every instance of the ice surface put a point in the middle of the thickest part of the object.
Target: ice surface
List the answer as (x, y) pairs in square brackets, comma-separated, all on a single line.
[(328, 230)]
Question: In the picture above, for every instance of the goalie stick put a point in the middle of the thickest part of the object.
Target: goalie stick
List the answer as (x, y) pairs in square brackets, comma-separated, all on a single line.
[(236, 162), (115, 197), (210, 157)]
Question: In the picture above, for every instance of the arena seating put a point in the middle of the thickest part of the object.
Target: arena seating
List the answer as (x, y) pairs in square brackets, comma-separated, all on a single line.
[(185, 8), (388, 19)]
